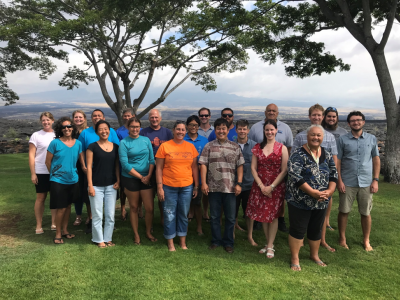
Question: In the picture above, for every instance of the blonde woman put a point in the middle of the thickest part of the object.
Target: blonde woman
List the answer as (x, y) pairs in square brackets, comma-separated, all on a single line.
[(40, 176), (80, 121)]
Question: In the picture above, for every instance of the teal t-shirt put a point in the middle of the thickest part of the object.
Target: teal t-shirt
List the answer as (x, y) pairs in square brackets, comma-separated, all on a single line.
[(63, 165), (136, 154)]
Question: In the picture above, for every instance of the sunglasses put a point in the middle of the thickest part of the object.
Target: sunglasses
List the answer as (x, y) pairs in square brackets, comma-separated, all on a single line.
[(331, 109), (204, 116), (66, 126), (227, 115)]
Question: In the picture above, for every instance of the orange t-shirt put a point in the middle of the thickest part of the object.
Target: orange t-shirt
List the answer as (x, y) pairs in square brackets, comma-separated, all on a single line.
[(178, 160)]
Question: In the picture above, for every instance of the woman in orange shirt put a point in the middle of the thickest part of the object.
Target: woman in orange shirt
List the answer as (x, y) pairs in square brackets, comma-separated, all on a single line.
[(176, 170)]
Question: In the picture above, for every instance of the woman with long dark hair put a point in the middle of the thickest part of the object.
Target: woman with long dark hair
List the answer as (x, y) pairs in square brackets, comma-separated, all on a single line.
[(269, 167), (62, 155)]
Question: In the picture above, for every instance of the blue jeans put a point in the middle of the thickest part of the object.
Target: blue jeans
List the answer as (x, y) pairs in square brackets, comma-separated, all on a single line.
[(227, 202), (176, 208), (106, 195)]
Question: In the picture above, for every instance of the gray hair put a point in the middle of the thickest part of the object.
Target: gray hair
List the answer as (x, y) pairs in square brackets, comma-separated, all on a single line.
[(155, 109), (318, 126), (130, 110)]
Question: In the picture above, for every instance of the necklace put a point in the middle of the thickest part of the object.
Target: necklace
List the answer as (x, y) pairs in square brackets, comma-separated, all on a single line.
[(104, 146), (315, 157)]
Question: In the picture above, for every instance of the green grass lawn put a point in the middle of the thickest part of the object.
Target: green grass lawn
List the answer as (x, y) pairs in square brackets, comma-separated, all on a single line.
[(32, 267)]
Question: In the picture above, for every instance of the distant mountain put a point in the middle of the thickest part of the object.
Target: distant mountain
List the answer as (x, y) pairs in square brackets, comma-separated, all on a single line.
[(180, 104)]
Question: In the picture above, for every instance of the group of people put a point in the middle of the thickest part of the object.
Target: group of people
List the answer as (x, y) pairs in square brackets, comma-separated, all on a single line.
[(196, 164)]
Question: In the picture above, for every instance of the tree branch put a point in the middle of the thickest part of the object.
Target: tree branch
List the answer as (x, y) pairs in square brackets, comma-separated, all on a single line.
[(389, 25), (367, 19)]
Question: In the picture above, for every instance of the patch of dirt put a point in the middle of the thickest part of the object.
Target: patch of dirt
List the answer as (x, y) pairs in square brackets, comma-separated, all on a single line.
[(9, 230)]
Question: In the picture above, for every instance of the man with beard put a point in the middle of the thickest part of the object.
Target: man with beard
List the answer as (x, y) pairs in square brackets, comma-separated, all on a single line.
[(358, 167), (227, 114), (157, 135), (330, 124), (331, 121), (87, 137)]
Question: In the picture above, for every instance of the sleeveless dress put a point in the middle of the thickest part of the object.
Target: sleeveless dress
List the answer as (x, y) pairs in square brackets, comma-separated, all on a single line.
[(259, 207)]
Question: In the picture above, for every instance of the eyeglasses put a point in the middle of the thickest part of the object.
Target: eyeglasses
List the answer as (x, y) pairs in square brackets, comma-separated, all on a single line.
[(331, 109), (66, 126), (204, 116), (227, 115), (193, 125), (358, 120)]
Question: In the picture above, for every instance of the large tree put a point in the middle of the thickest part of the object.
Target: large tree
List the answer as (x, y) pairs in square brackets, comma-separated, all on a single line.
[(295, 24), (14, 58), (196, 41)]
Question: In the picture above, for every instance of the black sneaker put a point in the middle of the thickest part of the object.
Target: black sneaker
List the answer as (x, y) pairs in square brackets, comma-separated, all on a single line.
[(89, 227), (282, 225)]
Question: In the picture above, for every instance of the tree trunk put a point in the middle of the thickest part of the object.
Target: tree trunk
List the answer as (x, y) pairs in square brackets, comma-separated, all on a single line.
[(392, 108)]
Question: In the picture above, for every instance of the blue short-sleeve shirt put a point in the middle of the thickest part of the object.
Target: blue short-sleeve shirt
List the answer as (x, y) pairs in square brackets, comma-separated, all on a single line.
[(63, 165)]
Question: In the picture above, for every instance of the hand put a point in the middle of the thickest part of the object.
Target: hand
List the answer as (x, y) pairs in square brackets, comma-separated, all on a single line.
[(195, 193), (267, 191), (341, 187), (316, 194), (116, 185), (146, 179), (238, 190), (374, 187), (160, 193), (34, 179), (204, 189), (91, 191)]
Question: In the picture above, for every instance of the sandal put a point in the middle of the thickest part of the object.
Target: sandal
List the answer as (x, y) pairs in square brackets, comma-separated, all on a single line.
[(297, 267), (39, 231), (61, 241), (68, 236), (153, 239), (102, 246), (78, 221), (53, 227), (109, 244), (265, 249), (270, 255)]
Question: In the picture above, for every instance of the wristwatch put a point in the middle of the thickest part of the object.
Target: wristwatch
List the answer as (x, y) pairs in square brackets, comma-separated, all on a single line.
[(376, 179), (239, 184)]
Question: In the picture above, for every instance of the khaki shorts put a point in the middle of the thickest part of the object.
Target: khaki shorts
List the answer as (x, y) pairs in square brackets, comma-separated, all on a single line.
[(363, 196)]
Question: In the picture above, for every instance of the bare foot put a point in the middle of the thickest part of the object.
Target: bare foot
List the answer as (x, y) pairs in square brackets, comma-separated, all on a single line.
[(368, 247), (343, 244), (329, 248), (239, 228), (252, 242), (183, 247), (171, 248)]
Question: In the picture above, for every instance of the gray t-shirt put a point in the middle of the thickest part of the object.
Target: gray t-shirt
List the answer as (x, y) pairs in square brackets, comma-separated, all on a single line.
[(337, 133), (283, 136)]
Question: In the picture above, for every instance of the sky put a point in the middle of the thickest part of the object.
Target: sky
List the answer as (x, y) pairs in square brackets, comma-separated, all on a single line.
[(355, 89)]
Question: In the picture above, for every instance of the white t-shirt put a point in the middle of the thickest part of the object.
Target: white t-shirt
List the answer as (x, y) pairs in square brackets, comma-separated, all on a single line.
[(241, 146), (41, 140)]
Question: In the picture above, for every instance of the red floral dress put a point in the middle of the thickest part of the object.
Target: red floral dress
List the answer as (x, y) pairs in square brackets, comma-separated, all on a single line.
[(259, 207)]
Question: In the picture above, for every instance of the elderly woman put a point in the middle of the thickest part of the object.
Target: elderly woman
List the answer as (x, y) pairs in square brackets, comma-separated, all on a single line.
[(103, 182), (62, 155), (80, 121), (137, 162), (177, 169), (312, 181), (40, 176)]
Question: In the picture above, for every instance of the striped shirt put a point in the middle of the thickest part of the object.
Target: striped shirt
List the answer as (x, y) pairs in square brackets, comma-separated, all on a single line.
[(329, 142)]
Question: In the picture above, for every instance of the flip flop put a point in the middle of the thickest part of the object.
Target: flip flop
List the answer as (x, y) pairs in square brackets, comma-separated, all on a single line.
[(153, 239), (68, 236), (58, 239), (320, 263), (39, 231), (330, 228), (137, 243), (295, 266), (330, 249), (109, 244), (53, 227), (206, 219), (102, 246)]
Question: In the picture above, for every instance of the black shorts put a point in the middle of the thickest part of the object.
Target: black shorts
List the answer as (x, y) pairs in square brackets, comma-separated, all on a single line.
[(43, 185), (302, 221), (63, 195), (134, 184)]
